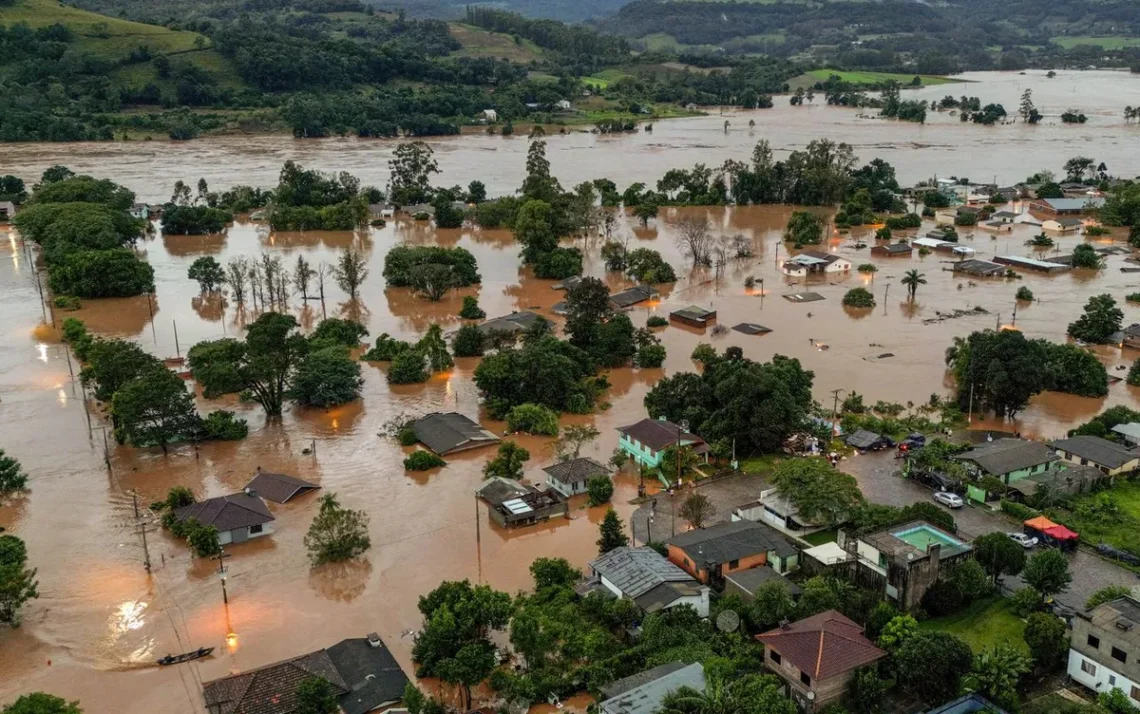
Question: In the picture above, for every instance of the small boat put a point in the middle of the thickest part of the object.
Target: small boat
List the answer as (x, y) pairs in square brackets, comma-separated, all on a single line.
[(186, 656)]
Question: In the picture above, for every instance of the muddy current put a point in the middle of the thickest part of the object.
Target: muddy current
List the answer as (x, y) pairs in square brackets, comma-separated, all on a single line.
[(101, 620)]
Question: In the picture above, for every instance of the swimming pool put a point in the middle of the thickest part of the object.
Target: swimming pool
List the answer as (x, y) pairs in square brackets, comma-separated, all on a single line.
[(924, 536)]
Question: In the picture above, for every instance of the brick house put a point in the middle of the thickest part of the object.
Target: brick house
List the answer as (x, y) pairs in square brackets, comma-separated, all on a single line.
[(817, 657)]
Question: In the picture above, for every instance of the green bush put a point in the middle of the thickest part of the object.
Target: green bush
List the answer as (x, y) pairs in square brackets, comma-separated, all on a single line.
[(223, 425), (601, 489), (407, 436), (656, 321), (533, 419), (867, 268), (75, 334), (1024, 293), (471, 309), (66, 302), (469, 341), (1132, 297), (1134, 374), (407, 368), (1017, 510), (559, 264), (101, 274), (704, 353), (859, 297), (387, 348), (649, 357), (422, 461)]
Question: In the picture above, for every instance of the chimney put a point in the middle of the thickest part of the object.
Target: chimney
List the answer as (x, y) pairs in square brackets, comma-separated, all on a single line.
[(374, 640)]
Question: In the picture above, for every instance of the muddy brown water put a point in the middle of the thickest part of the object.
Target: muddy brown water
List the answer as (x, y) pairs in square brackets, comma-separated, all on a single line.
[(101, 620)]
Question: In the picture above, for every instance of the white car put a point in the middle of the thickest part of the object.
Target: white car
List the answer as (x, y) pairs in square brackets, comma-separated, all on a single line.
[(1023, 540), (950, 500)]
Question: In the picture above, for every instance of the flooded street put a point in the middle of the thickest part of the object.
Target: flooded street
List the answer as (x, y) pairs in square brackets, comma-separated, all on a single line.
[(101, 620)]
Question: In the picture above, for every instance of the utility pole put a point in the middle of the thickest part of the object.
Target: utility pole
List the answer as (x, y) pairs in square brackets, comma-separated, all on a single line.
[(142, 529), (970, 417), (221, 558), (177, 348), (835, 410), (478, 540)]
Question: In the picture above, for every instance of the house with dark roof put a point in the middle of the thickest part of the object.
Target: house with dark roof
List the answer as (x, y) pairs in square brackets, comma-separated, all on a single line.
[(1067, 481), (1065, 206), (632, 296), (978, 268), (904, 561), (710, 554), (1008, 459), (745, 583), (449, 432), (643, 693), (972, 703), (694, 316), (512, 504), (1108, 456), (647, 578), (513, 324), (362, 672), (645, 442), (278, 488), (237, 517), (817, 657), (571, 477), (902, 249)]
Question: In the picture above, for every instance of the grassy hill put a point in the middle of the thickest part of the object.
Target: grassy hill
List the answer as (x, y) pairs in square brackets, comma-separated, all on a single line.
[(478, 42)]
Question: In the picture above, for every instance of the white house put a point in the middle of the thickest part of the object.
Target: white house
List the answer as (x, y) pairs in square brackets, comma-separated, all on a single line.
[(1104, 650), (649, 579), (1062, 224), (573, 476), (814, 262), (237, 517), (564, 105), (490, 115)]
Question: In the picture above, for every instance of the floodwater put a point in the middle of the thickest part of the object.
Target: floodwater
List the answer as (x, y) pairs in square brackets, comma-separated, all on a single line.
[(101, 619), (943, 146)]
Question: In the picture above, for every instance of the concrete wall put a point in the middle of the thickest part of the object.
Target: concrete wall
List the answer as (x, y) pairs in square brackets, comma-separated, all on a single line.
[(678, 558), (826, 691), (566, 489), (1097, 677), (1101, 652)]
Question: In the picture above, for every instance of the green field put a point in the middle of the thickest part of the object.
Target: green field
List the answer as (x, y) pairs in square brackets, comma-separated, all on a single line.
[(1111, 516), (1108, 43), (821, 75), (478, 42), (985, 622)]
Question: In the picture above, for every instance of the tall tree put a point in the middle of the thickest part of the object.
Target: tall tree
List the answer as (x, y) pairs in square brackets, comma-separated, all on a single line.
[(912, 279), (697, 509), (573, 438), (208, 272), (154, 409), (12, 476), (411, 169), (41, 703), (337, 533), (612, 533), (1100, 320), (303, 274), (932, 665), (18, 583), (1047, 638), (350, 271), (508, 462), (1048, 572), (997, 673), (998, 555), (316, 696), (820, 492)]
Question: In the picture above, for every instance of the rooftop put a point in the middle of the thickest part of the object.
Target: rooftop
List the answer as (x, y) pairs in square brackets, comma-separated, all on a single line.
[(633, 295), (750, 580), (694, 312), (238, 510), (444, 432), (636, 571), (1006, 455), (498, 489), (912, 541), (730, 541), (278, 488), (978, 267), (1122, 615), (513, 323), (1131, 430), (1073, 204), (1030, 262), (896, 248), (646, 696), (1100, 451), (576, 470), (824, 646), (659, 433)]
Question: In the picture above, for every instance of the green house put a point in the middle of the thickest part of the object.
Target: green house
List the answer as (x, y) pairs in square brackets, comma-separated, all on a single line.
[(645, 442), (1009, 460)]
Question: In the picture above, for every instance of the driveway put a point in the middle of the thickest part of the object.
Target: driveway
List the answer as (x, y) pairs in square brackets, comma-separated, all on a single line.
[(876, 475)]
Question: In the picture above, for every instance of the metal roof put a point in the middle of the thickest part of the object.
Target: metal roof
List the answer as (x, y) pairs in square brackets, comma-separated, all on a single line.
[(238, 510), (647, 698), (730, 541), (636, 571), (451, 431), (1131, 430), (1099, 451), (1073, 204), (1031, 262)]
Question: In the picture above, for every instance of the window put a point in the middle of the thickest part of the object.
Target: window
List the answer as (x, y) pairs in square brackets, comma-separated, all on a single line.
[(1088, 667), (805, 678), (733, 564), (1135, 693), (1094, 642), (775, 656), (255, 529), (1112, 680), (1119, 655)]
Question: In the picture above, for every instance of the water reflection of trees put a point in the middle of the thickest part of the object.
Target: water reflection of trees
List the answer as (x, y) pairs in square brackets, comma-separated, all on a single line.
[(418, 313), (182, 246), (210, 307), (333, 240), (341, 582)]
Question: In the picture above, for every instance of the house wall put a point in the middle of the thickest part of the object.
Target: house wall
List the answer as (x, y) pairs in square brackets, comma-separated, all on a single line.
[(839, 266), (752, 561), (241, 535), (639, 452), (566, 489), (1074, 459), (827, 691), (1099, 678), (1012, 476), (1101, 652)]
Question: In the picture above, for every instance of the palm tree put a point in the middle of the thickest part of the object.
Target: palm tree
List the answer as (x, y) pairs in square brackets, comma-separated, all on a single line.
[(912, 280), (748, 694)]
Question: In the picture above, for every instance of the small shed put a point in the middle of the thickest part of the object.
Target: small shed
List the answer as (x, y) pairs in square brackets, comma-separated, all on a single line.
[(694, 316), (893, 250), (979, 268)]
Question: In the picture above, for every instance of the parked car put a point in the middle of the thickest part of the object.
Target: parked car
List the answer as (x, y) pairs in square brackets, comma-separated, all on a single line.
[(913, 441), (950, 500), (1023, 540), (938, 481)]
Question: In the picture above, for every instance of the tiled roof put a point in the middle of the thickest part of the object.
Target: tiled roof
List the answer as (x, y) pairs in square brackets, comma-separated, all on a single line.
[(498, 489), (271, 689), (278, 488), (238, 510), (636, 571), (633, 295), (730, 541), (823, 646), (576, 470), (658, 433)]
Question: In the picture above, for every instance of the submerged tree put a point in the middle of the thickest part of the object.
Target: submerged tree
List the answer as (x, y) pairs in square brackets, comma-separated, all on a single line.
[(41, 703), (612, 533), (336, 533), (1100, 320), (154, 409), (208, 272), (912, 279), (17, 582), (508, 462), (12, 476), (350, 271)]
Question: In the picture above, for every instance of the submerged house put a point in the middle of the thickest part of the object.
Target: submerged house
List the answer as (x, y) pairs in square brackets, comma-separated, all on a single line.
[(449, 432), (1034, 264), (573, 476), (279, 488), (512, 504), (361, 672), (237, 517), (1062, 224), (513, 324), (694, 316), (904, 561), (902, 249), (979, 268), (814, 262), (1065, 206)]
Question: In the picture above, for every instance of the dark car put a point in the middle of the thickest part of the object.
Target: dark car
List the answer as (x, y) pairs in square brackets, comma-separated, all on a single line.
[(913, 441), (937, 480)]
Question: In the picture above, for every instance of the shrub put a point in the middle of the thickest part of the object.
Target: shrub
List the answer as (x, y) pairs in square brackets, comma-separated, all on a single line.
[(1097, 231), (422, 461), (407, 368), (469, 341), (656, 321), (471, 309), (1132, 297), (101, 274), (75, 334), (223, 425), (337, 331), (559, 264), (704, 353), (1017, 510), (883, 233), (1024, 293), (1134, 374), (1027, 601), (649, 356), (859, 297), (407, 436), (533, 419), (399, 261), (66, 302), (386, 349), (868, 268), (600, 488)]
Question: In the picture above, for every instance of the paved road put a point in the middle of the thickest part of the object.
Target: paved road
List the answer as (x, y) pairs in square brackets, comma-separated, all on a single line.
[(876, 475)]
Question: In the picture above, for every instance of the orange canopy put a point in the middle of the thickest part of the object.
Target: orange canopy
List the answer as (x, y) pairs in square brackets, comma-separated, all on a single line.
[(1040, 523)]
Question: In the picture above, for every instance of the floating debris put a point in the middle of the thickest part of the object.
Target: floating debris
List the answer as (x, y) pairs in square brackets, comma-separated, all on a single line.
[(943, 316), (803, 297), (879, 356), (751, 328)]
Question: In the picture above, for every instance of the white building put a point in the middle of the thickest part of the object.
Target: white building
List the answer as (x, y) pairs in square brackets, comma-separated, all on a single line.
[(814, 262), (1104, 650)]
